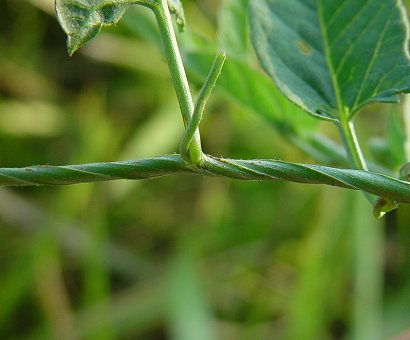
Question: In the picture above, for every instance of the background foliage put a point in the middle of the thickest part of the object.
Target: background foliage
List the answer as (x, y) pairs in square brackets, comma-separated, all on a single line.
[(181, 257)]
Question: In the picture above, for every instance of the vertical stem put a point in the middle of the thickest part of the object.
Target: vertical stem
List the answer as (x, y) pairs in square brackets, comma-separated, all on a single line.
[(352, 146), (200, 106), (177, 70), (351, 143)]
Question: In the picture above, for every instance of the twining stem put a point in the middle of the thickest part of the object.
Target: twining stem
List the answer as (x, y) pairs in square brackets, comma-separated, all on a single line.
[(258, 169), (199, 108), (352, 146), (177, 71)]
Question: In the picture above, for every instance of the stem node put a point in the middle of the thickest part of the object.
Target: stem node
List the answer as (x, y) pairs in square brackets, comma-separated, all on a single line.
[(199, 108)]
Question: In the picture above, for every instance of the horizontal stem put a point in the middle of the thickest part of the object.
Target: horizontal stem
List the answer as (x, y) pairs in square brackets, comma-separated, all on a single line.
[(377, 184)]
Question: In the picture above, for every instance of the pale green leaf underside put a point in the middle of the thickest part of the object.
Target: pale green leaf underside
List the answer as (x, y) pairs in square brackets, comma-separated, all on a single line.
[(333, 56), (82, 20)]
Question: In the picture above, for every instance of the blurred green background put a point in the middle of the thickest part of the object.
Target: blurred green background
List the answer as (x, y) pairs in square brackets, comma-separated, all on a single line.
[(180, 257)]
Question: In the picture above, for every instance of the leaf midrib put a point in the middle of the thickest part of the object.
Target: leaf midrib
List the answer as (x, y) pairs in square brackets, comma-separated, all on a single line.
[(335, 84)]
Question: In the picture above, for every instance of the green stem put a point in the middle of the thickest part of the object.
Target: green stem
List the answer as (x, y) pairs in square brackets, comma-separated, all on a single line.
[(257, 169), (177, 71), (348, 133), (200, 107), (352, 146)]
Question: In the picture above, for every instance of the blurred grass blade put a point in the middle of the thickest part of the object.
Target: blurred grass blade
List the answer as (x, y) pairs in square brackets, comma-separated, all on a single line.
[(135, 55), (13, 287), (132, 312), (31, 118), (188, 311), (396, 139), (96, 276), (368, 272), (406, 117), (338, 56), (50, 288), (233, 29), (325, 257)]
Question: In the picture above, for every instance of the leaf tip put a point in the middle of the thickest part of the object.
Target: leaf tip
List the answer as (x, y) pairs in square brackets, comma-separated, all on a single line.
[(71, 48), (75, 41), (73, 44)]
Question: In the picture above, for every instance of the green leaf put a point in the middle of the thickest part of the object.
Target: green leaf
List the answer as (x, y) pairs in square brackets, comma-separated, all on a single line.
[(82, 20), (332, 57)]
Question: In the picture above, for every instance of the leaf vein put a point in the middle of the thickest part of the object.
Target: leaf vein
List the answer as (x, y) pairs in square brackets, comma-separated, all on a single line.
[(371, 63)]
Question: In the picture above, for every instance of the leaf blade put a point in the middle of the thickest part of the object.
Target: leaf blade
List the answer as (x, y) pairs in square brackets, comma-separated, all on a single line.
[(82, 20), (339, 53)]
